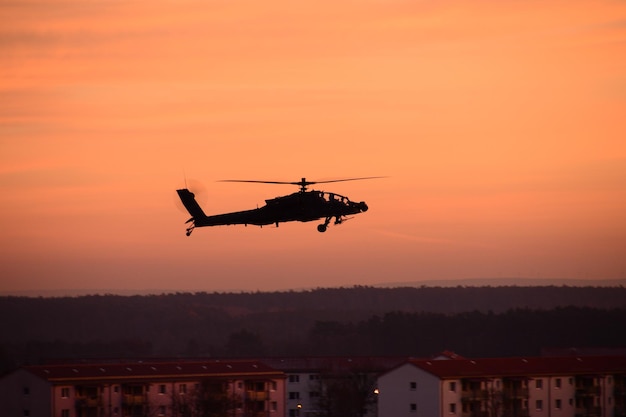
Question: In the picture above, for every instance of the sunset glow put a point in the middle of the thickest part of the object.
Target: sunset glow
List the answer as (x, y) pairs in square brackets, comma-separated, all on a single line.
[(499, 125)]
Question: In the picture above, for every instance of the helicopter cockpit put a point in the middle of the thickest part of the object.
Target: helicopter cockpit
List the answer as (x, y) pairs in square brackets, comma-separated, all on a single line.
[(330, 197)]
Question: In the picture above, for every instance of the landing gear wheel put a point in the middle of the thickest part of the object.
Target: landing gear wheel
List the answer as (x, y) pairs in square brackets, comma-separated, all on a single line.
[(322, 227)]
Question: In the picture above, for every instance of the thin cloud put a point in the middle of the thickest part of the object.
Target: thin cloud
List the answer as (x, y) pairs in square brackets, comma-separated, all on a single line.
[(430, 240)]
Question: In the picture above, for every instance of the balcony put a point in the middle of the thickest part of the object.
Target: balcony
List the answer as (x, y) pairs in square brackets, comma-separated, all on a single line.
[(257, 395), (588, 391), (134, 399), (518, 413), (88, 402), (515, 392), (589, 412), (474, 395), (475, 414)]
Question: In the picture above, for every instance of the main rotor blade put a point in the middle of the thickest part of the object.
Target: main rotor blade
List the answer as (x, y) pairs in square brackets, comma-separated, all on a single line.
[(262, 182), (302, 182), (346, 179)]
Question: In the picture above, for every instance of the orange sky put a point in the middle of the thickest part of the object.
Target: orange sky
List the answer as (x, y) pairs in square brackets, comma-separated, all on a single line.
[(500, 125)]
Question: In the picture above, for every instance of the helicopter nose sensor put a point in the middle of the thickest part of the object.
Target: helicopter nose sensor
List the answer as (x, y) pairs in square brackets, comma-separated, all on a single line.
[(363, 206)]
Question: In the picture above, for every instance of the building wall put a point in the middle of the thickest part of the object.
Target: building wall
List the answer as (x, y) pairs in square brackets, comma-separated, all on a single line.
[(608, 395), (297, 398), (538, 397), (305, 390), (562, 396), (63, 400), (22, 393), (451, 403), (303, 393), (409, 392), (569, 395), (164, 396)]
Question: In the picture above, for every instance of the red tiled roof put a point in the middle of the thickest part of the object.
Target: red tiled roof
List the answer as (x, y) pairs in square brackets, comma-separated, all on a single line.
[(531, 366), (154, 370)]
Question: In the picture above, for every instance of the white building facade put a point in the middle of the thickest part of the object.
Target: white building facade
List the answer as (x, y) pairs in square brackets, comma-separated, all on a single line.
[(329, 386), (516, 387)]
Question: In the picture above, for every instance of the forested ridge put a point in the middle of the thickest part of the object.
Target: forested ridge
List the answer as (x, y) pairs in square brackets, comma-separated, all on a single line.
[(473, 321)]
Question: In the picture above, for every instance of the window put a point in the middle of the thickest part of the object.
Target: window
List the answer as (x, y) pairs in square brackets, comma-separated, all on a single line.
[(557, 404), (162, 389), (453, 386), (162, 410), (116, 388), (182, 389), (273, 386), (294, 395), (413, 385), (26, 413), (571, 381), (539, 383), (413, 407), (26, 391), (557, 383), (313, 377), (273, 406), (539, 404), (65, 412), (294, 378), (314, 394), (571, 401), (65, 392), (452, 408)]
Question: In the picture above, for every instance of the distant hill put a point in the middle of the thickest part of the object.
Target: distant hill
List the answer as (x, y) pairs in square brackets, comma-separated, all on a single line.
[(473, 321), (507, 282), (468, 282)]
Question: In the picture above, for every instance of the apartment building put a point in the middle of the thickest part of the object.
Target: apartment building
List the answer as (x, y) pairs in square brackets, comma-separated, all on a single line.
[(139, 389), (499, 387), (447, 385), (322, 386)]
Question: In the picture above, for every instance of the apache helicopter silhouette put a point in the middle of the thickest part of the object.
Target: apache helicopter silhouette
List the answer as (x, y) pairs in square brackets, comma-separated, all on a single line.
[(301, 206)]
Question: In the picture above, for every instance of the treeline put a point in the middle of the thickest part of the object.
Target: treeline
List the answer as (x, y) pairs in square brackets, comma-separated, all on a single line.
[(484, 321)]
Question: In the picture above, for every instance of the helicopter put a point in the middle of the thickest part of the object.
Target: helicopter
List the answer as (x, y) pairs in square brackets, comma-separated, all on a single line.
[(302, 206)]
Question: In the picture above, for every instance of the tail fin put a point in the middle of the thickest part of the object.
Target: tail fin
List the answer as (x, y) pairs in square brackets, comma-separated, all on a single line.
[(190, 203)]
